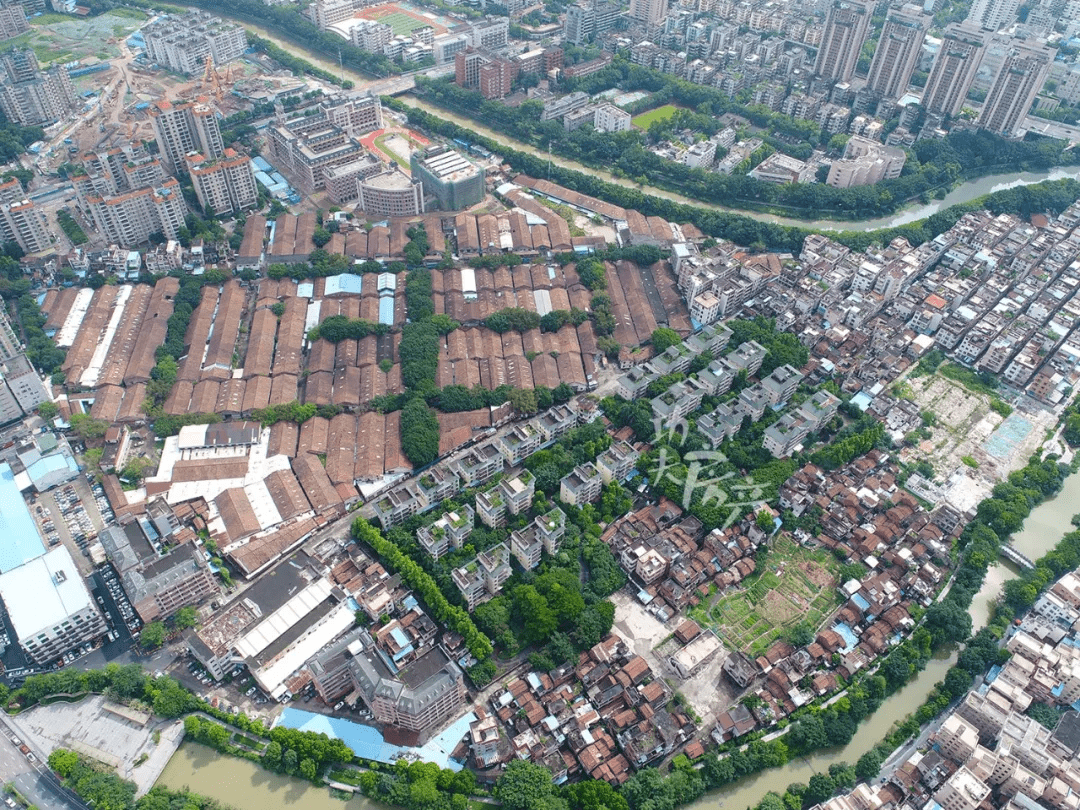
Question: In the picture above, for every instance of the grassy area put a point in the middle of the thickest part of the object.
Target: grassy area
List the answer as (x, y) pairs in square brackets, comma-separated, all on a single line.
[(795, 586), (346, 776), (401, 23), (977, 384), (643, 120), (250, 742), (564, 211), (64, 38), (129, 13), (50, 19), (380, 144), (70, 227)]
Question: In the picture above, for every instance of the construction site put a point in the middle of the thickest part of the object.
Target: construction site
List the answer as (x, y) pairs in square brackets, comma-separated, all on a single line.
[(119, 90)]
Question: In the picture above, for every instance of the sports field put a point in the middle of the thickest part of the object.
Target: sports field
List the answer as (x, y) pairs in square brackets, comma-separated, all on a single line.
[(795, 586), (402, 20), (643, 120)]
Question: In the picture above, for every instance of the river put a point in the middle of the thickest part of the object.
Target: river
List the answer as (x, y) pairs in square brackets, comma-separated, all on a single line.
[(963, 193), (245, 786)]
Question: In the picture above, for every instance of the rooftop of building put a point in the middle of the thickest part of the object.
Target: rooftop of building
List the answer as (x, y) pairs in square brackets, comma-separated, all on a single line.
[(43, 592)]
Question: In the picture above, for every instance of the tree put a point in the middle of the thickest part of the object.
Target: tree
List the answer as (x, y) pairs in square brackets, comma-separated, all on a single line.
[(87, 427), (801, 635), (320, 236), (272, 756), (663, 337), (533, 611), (821, 787), (524, 785), (290, 761), (48, 411), (136, 468), (307, 768), (153, 636), (948, 622), (419, 433), (869, 764), (186, 617), (63, 762), (1042, 713), (1071, 433), (594, 794), (562, 393), (523, 400)]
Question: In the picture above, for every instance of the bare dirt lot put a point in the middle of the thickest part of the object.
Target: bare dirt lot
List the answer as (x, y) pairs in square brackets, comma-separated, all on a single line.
[(969, 448), (708, 692)]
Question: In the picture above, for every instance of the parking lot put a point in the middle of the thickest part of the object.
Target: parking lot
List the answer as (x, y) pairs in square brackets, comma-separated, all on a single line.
[(113, 601), (236, 693), (72, 514)]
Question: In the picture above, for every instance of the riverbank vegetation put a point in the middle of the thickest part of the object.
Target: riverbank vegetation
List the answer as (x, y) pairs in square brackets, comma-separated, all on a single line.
[(1050, 197), (932, 164)]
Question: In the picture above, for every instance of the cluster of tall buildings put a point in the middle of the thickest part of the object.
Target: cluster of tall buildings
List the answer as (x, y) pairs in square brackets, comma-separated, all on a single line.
[(21, 389), (340, 17), (802, 60), (20, 220), (494, 75), (183, 42), (31, 96), (129, 195), (12, 20), (1017, 80)]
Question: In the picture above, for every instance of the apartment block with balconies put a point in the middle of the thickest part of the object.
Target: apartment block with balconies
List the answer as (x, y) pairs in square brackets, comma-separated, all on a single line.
[(582, 485), (617, 462), (479, 465), (520, 442), (781, 384), (449, 531), (436, 485), (550, 528), (518, 492), (491, 508)]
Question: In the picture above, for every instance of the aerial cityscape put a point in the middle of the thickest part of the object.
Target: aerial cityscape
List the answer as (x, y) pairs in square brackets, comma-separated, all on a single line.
[(570, 405)]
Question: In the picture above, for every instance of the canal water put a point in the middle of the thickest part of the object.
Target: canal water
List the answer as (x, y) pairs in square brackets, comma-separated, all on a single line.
[(245, 786)]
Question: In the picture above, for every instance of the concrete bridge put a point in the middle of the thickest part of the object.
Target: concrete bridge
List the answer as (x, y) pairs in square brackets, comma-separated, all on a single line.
[(1014, 556)]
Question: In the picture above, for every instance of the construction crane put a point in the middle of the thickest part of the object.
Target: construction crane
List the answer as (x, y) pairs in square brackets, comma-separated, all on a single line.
[(211, 79)]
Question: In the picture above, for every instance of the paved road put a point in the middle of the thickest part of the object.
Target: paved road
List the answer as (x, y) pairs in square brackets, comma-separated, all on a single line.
[(1052, 129), (33, 780)]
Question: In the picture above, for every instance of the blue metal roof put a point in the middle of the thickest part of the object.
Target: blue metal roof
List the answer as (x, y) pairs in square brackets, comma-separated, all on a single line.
[(19, 538), (366, 742), (344, 283)]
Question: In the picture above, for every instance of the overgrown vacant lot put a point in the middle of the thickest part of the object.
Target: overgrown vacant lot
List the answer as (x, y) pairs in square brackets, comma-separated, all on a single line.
[(794, 586)]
